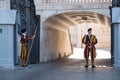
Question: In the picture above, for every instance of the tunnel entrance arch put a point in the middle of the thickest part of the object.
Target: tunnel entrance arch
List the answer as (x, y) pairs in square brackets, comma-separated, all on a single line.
[(64, 21)]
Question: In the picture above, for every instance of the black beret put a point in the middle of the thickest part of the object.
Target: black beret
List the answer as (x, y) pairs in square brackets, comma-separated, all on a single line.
[(89, 29), (23, 30)]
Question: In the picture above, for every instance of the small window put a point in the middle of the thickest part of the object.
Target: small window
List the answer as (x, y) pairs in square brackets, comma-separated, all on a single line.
[(0, 30)]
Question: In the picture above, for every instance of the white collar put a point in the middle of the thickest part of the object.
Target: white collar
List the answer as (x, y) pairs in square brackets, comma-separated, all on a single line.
[(90, 34), (24, 34)]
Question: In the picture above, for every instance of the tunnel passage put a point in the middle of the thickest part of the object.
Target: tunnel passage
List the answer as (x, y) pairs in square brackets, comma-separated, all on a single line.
[(62, 33)]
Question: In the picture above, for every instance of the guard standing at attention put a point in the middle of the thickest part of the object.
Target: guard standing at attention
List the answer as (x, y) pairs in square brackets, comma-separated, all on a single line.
[(90, 41), (24, 47)]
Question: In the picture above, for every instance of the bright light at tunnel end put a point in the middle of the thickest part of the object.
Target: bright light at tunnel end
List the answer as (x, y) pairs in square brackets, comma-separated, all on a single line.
[(101, 54)]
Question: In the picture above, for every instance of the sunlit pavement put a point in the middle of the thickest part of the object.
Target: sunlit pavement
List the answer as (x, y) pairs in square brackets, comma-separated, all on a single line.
[(103, 58), (101, 54), (63, 69)]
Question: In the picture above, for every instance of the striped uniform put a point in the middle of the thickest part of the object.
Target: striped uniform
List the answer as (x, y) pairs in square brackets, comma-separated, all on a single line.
[(24, 51), (89, 41)]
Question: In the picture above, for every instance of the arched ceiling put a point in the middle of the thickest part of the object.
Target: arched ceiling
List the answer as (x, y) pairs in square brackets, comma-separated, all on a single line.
[(65, 20)]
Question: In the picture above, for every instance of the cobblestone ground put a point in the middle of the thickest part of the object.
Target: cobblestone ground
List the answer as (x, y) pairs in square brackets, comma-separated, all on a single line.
[(64, 69)]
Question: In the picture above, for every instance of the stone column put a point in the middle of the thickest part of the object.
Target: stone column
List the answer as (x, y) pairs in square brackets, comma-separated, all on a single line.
[(116, 44), (116, 35), (4, 4), (7, 4)]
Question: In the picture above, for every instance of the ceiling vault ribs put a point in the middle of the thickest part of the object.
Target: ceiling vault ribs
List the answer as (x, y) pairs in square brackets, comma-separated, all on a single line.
[(65, 20)]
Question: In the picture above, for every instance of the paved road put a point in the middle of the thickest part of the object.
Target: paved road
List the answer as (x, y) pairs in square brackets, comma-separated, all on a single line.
[(64, 69)]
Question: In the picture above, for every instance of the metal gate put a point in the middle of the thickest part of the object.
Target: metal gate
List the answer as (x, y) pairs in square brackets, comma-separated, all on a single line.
[(34, 54), (27, 18)]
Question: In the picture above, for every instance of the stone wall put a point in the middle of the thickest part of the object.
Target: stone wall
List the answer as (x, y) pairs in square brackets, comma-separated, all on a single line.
[(98, 7), (54, 44)]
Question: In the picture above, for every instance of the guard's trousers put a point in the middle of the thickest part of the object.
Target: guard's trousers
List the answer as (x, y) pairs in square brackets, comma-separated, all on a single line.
[(24, 54)]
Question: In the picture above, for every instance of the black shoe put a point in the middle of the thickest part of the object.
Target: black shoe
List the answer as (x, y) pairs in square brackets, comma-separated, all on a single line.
[(23, 66), (93, 66), (86, 66)]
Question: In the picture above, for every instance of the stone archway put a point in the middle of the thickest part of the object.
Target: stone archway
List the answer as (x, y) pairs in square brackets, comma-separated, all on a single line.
[(55, 38)]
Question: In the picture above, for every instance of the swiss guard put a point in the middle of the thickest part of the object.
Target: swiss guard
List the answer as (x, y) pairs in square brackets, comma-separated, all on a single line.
[(24, 47), (90, 41)]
